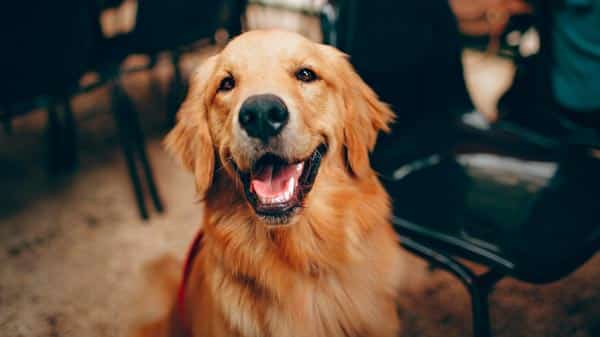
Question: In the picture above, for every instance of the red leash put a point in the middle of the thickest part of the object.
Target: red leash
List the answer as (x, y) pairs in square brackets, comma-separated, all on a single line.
[(187, 269)]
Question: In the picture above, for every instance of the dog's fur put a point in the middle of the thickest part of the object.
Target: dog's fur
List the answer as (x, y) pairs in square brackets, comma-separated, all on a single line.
[(332, 269)]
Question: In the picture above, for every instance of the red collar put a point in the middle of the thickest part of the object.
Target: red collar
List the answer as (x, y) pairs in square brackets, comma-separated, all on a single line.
[(187, 269)]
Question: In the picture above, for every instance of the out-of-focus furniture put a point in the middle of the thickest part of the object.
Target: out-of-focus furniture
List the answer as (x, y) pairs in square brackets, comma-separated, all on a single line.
[(411, 56), (160, 26), (488, 23), (46, 50), (169, 26), (50, 45), (522, 203), (522, 208)]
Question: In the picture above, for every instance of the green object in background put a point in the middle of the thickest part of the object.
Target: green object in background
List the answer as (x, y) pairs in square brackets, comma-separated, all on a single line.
[(576, 44)]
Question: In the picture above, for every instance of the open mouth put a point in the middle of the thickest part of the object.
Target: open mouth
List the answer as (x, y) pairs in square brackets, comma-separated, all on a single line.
[(275, 187)]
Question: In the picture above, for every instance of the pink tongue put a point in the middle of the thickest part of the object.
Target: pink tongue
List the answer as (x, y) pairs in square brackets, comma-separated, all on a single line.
[(268, 183)]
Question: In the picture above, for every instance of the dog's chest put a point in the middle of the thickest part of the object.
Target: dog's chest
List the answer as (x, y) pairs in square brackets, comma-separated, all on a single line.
[(324, 307)]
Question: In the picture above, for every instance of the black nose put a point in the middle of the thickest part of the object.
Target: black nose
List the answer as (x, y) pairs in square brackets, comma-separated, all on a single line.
[(263, 116)]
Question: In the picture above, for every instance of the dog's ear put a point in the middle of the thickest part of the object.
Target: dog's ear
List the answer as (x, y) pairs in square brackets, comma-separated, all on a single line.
[(190, 141), (365, 115)]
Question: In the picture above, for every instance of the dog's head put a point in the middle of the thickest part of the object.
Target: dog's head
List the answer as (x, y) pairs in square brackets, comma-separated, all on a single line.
[(275, 115)]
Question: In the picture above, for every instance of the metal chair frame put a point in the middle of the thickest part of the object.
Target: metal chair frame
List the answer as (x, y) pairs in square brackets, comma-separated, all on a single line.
[(478, 286), (436, 247), (62, 130)]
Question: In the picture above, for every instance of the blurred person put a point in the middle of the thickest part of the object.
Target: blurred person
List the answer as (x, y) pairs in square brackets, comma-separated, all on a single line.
[(562, 81), (487, 17), (575, 72), (557, 91)]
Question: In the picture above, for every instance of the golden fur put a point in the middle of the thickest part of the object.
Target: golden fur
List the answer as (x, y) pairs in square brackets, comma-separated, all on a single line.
[(333, 269)]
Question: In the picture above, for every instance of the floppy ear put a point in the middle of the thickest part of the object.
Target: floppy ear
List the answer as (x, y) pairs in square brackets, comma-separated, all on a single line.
[(190, 141), (365, 116)]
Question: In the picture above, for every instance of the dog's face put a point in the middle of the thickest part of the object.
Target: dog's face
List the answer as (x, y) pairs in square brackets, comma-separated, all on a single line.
[(269, 114)]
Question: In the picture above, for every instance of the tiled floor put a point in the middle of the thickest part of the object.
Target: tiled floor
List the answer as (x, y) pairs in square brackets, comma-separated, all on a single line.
[(73, 249)]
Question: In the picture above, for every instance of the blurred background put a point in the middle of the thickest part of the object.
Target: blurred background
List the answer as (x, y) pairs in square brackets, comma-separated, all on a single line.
[(493, 163)]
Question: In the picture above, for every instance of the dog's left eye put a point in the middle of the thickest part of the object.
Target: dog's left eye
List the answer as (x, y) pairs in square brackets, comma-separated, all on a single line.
[(306, 75), (227, 83)]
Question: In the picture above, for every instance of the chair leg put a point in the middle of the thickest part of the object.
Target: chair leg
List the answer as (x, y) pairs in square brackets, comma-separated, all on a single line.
[(176, 90), (155, 87), (7, 126), (478, 287), (120, 107), (7, 120), (140, 147), (62, 136), (53, 134), (69, 135), (481, 314)]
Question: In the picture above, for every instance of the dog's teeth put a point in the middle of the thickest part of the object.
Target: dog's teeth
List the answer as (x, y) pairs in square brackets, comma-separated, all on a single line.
[(300, 167), (290, 185), (282, 197)]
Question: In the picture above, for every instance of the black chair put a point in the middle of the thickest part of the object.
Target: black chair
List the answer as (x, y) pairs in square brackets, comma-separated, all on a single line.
[(53, 45), (501, 200), (411, 51), (173, 26), (522, 203), (160, 26), (48, 48), (169, 26)]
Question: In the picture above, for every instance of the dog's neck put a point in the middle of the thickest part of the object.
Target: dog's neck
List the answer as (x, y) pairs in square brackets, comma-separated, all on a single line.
[(336, 246)]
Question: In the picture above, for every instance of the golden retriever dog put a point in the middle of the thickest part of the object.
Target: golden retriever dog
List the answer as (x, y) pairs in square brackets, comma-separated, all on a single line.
[(296, 239)]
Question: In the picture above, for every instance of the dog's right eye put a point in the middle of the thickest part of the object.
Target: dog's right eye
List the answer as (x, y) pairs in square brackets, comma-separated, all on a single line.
[(227, 83), (306, 75)]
